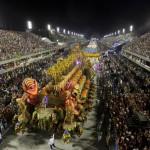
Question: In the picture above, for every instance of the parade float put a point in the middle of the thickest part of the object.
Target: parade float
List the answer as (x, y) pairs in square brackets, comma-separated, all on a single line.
[(92, 49), (91, 52), (63, 104)]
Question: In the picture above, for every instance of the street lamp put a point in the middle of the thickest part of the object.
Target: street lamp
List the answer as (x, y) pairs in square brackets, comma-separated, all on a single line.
[(123, 30), (29, 25), (82, 35), (64, 31), (49, 27), (68, 32), (58, 29), (131, 28), (118, 31)]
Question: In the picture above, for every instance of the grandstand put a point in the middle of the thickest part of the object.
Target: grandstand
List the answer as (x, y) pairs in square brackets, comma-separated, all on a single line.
[(122, 38), (138, 51), (139, 46), (15, 44)]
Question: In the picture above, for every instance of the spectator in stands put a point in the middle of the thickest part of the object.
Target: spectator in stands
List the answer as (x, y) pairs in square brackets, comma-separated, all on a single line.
[(140, 46), (124, 104), (15, 44)]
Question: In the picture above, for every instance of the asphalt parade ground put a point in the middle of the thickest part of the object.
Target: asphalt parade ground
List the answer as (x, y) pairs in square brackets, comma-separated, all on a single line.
[(38, 141)]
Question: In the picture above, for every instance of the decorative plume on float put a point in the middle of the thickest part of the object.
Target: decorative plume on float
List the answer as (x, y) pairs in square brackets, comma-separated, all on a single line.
[(92, 49), (63, 103)]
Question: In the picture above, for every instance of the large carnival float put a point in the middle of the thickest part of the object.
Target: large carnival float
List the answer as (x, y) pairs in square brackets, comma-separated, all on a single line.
[(92, 53), (63, 104)]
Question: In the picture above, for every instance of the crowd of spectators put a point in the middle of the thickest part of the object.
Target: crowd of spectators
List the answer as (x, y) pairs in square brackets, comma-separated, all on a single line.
[(15, 44), (122, 38), (102, 47), (140, 46), (127, 88)]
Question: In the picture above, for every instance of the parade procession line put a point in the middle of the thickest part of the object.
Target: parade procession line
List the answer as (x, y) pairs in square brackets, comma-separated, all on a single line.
[(36, 141)]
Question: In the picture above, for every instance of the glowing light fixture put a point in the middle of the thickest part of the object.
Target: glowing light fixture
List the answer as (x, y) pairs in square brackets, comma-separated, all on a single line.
[(29, 25)]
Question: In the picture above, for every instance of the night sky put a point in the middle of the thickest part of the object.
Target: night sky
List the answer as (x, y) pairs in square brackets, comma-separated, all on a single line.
[(89, 17)]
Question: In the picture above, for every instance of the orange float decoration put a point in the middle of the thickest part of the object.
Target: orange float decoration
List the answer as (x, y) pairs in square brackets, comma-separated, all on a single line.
[(30, 87)]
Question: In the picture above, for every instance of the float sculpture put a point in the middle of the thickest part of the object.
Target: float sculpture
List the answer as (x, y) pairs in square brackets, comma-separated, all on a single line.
[(61, 105)]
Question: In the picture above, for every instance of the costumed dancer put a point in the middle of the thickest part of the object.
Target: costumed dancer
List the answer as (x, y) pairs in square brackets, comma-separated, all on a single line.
[(51, 142), (45, 101), (66, 136)]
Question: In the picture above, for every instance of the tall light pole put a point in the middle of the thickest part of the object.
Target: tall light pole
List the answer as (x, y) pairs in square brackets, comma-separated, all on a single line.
[(123, 30), (29, 28), (57, 29), (64, 31), (29, 25), (49, 27), (131, 28)]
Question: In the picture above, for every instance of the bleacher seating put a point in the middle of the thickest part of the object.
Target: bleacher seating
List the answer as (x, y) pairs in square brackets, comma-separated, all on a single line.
[(140, 46)]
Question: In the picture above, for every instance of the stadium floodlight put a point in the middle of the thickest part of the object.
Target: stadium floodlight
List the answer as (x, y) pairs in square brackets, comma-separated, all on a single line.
[(29, 25), (118, 31), (131, 28), (58, 29), (82, 35), (49, 27), (64, 31), (123, 30)]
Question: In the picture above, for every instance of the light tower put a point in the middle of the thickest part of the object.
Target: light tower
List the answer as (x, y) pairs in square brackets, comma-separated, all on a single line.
[(29, 25), (64, 31), (131, 28), (57, 29), (49, 27), (123, 30)]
